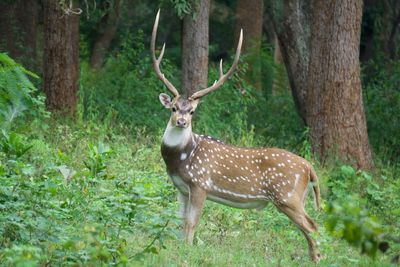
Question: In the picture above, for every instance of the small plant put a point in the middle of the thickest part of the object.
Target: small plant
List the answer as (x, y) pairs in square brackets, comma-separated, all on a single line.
[(305, 149), (97, 158), (22, 255), (14, 145), (346, 179)]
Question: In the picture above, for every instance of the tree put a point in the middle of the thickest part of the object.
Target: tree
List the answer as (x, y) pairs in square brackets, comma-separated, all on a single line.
[(107, 28), (61, 57), (195, 48), (19, 29), (320, 47), (249, 17)]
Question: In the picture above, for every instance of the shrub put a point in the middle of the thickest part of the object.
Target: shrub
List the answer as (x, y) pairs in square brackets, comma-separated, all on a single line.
[(18, 95)]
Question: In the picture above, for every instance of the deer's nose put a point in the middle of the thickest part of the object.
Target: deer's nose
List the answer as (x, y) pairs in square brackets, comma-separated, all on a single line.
[(181, 122)]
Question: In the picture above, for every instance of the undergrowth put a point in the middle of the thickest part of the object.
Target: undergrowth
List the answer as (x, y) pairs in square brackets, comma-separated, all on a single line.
[(93, 190)]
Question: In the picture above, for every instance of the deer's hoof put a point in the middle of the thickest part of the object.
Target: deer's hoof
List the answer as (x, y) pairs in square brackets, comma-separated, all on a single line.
[(316, 256)]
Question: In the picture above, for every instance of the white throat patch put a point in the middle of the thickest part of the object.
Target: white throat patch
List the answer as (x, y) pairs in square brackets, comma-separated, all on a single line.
[(175, 136)]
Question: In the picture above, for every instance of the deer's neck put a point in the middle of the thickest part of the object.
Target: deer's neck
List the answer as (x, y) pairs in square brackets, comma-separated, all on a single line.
[(177, 147), (177, 138)]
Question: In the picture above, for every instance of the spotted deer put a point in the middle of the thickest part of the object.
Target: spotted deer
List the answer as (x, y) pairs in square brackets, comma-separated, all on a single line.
[(202, 167)]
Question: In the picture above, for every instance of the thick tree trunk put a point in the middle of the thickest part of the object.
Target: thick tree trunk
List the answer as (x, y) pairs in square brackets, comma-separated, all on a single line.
[(195, 48), (320, 47), (335, 112), (61, 58), (249, 17), (291, 25), (107, 29), (18, 28)]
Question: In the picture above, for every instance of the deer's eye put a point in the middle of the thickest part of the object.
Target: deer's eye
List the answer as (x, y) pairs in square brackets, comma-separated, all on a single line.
[(191, 112), (173, 109)]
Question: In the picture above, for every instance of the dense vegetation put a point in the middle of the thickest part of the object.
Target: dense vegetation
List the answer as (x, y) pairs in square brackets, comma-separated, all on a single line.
[(92, 190)]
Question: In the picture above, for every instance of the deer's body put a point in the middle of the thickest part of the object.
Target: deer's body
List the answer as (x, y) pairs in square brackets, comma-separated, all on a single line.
[(202, 167), (235, 176)]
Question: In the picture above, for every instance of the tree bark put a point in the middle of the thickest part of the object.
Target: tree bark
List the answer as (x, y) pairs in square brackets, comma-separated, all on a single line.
[(18, 27), (335, 112), (107, 29), (195, 48), (320, 47), (290, 19), (279, 70), (61, 58), (249, 17)]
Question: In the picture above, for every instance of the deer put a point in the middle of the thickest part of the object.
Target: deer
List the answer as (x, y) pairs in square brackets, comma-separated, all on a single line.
[(202, 167)]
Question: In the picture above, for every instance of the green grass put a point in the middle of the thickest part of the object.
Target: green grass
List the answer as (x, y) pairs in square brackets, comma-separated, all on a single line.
[(119, 200), (284, 247)]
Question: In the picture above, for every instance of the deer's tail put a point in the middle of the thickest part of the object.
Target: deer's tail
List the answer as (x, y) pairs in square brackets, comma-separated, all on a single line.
[(315, 187)]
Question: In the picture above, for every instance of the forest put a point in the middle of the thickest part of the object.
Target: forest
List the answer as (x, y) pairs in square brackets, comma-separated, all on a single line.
[(84, 160)]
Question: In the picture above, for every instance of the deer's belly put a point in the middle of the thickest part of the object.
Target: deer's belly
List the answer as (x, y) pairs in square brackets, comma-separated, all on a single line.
[(256, 204), (243, 201)]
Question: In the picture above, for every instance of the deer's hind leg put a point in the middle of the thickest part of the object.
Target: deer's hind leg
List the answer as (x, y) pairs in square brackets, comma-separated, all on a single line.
[(298, 215)]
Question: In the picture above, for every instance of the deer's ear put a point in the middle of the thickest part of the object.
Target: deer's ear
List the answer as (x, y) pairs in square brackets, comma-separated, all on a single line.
[(165, 100)]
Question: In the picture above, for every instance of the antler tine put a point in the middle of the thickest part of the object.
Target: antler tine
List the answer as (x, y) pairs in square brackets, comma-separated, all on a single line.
[(157, 61), (221, 70), (222, 77)]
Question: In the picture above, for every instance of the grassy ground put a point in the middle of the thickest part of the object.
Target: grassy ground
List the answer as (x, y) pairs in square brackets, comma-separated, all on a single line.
[(90, 194)]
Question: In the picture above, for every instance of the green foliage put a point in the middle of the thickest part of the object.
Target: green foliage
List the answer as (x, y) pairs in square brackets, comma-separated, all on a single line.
[(97, 156), (14, 145), (346, 179), (22, 256), (382, 101), (55, 211), (18, 95), (182, 7), (95, 192), (348, 219), (126, 88), (224, 114), (355, 199), (122, 211)]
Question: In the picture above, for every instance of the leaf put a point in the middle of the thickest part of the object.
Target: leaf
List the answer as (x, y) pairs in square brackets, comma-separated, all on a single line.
[(66, 172), (347, 170)]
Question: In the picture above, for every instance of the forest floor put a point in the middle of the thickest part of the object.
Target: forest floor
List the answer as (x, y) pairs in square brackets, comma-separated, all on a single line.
[(95, 194)]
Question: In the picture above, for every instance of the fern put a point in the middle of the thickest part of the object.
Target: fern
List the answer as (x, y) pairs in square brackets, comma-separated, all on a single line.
[(17, 93)]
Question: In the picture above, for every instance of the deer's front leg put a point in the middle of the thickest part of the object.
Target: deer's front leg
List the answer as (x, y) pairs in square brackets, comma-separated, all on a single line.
[(183, 205), (197, 197)]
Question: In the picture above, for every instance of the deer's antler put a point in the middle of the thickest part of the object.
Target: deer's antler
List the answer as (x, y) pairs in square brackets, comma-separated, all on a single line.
[(157, 61), (222, 77)]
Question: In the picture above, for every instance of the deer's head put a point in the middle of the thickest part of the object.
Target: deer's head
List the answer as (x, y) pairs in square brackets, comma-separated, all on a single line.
[(181, 108)]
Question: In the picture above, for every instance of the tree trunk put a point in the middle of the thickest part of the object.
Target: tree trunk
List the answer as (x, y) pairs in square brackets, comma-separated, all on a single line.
[(335, 112), (320, 47), (291, 25), (249, 17), (279, 70), (61, 58), (195, 48), (107, 29), (18, 27)]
